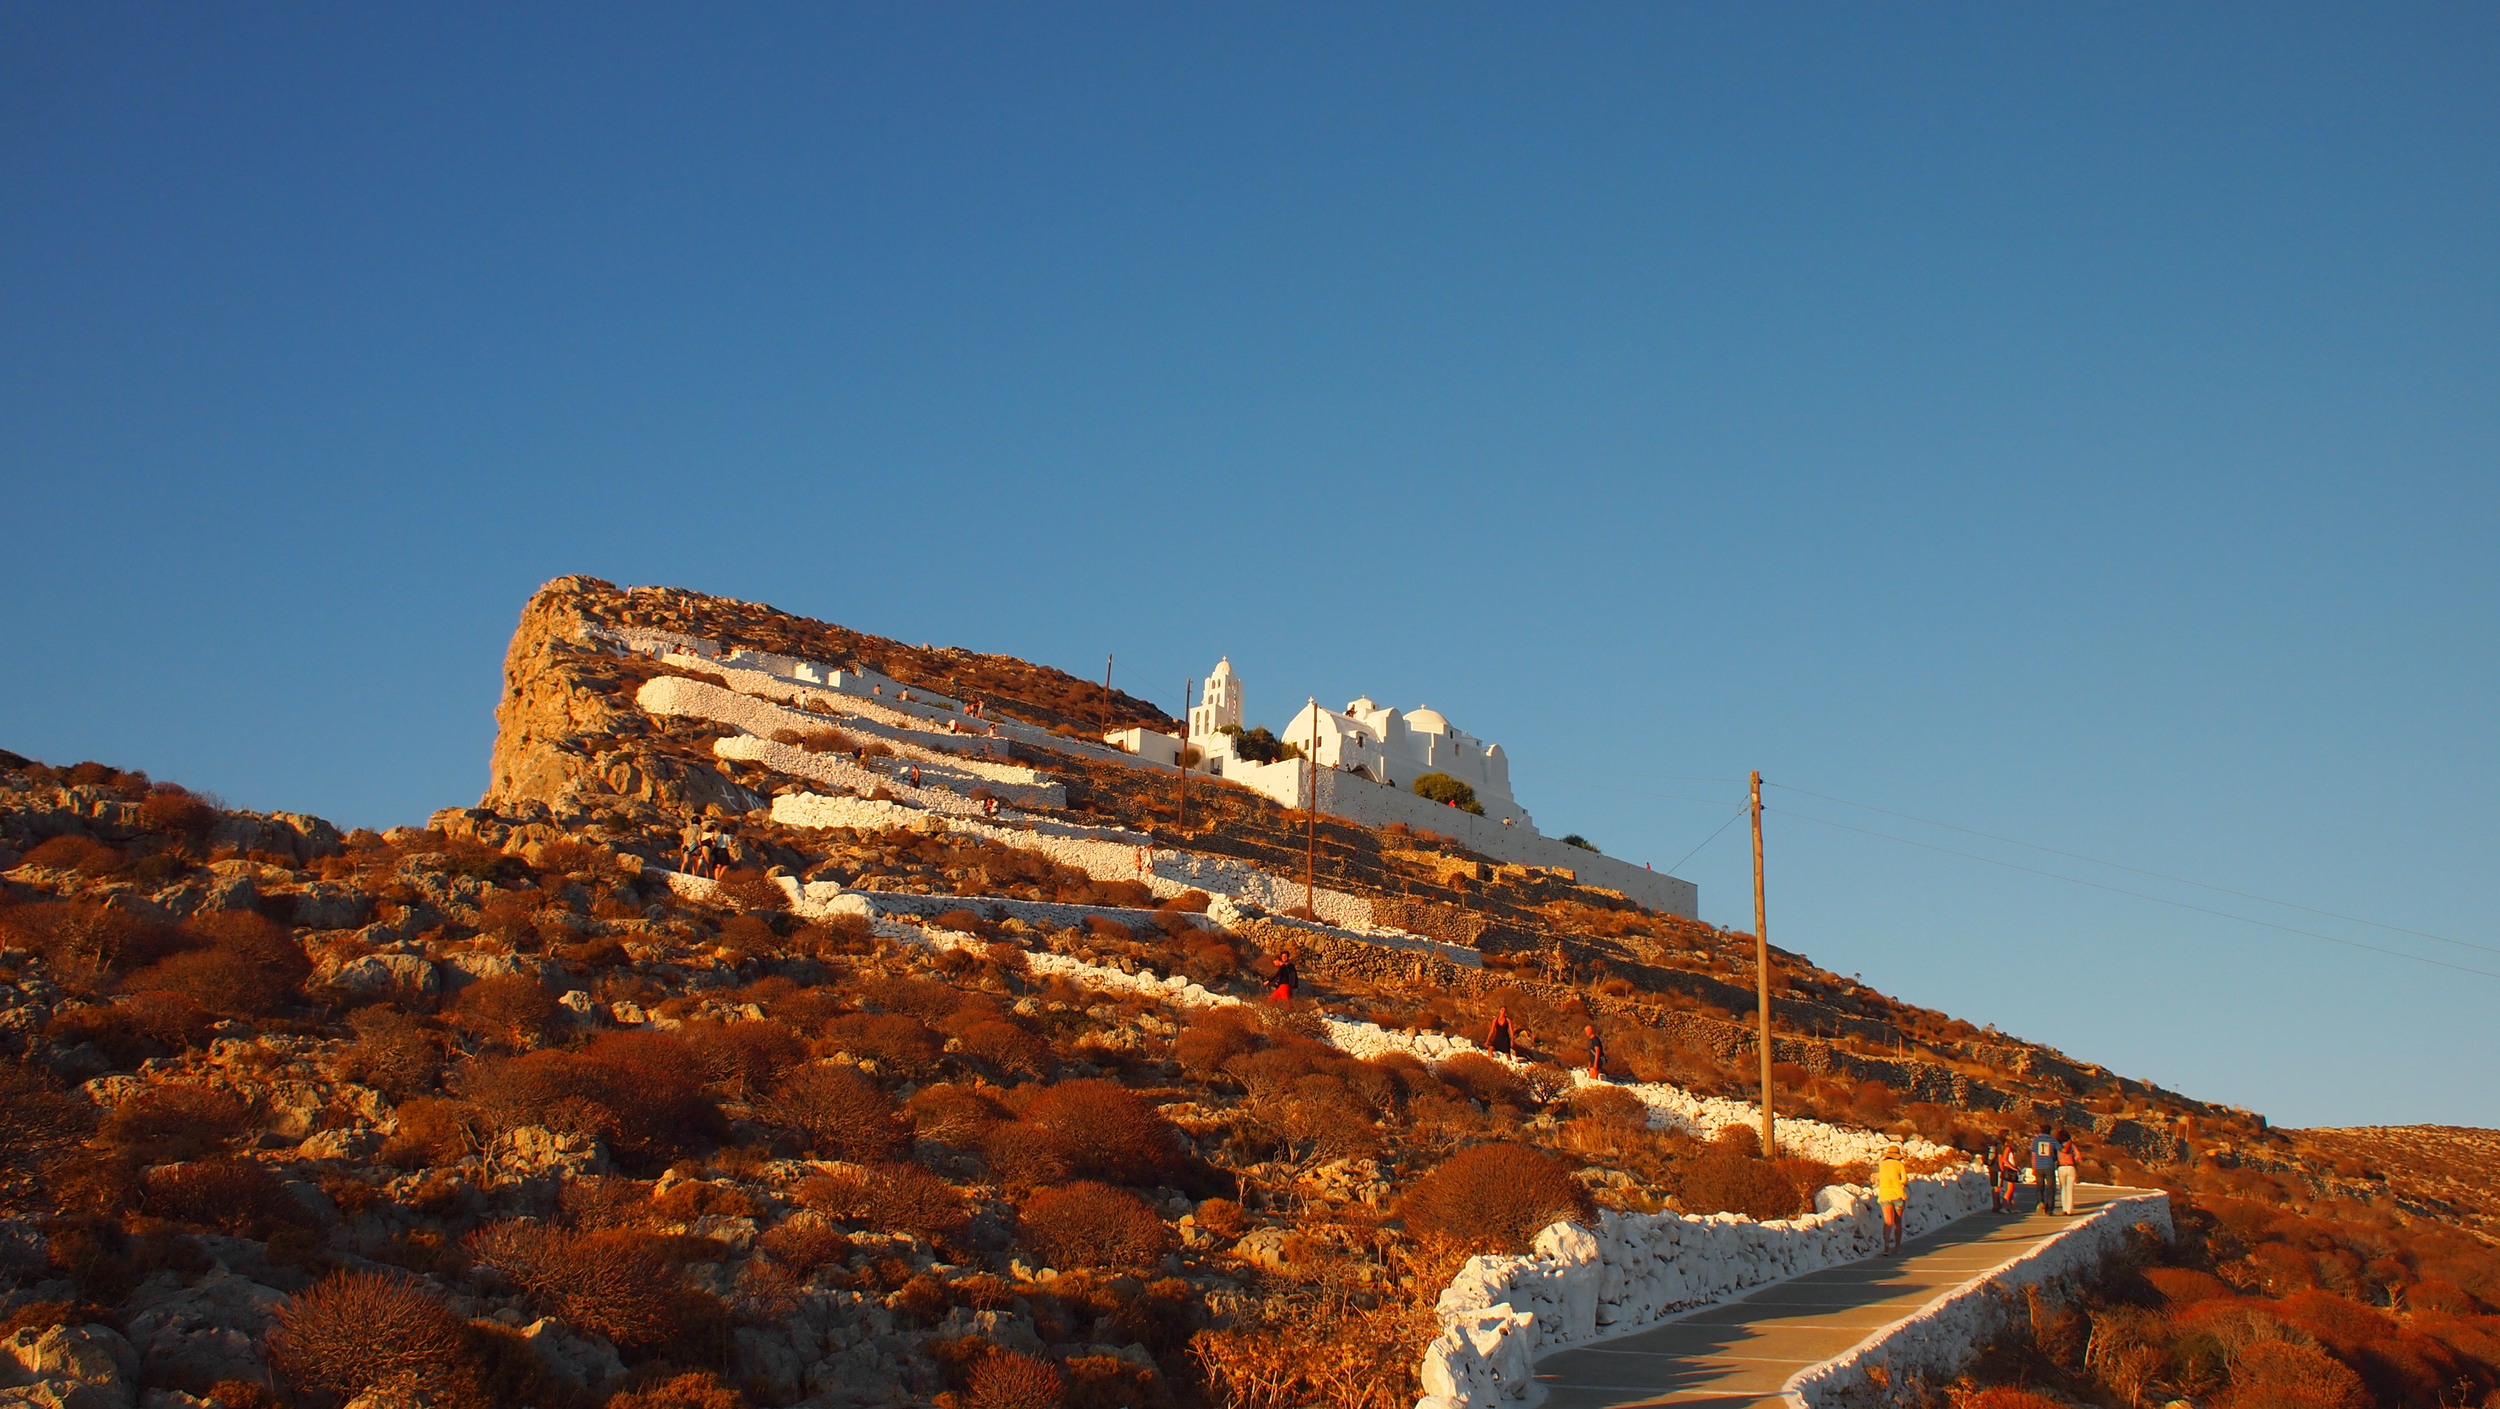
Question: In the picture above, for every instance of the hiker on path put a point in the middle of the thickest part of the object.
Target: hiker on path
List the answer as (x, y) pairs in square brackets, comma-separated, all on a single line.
[(1500, 1041), (1285, 977), (1892, 1194), (2069, 1163), (2009, 1172), (1597, 1052), (2044, 1166)]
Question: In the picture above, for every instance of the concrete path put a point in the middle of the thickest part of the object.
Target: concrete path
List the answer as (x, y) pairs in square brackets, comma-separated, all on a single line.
[(1737, 1355)]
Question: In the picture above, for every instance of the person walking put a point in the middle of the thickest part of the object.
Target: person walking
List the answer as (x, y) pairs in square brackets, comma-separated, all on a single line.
[(2068, 1164), (2005, 1173), (2044, 1166), (1597, 1052), (1500, 1041), (1892, 1194), (1284, 978)]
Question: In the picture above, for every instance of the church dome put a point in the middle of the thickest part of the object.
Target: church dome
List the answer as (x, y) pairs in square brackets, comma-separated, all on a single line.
[(1427, 720)]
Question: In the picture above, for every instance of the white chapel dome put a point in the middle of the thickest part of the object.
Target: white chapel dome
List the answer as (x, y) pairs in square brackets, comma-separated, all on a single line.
[(1427, 720)]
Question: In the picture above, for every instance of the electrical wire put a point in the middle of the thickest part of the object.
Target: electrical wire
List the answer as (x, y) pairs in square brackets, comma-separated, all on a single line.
[(2139, 871), (1643, 792), (1741, 809), (2137, 894)]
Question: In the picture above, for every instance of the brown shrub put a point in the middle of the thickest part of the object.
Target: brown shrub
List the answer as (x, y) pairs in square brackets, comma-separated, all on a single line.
[(174, 811), (395, 1052), (354, 1331), (84, 942), (894, 1042), (433, 1131), (753, 890), (1007, 1380), (899, 1197), (1214, 1038), (230, 1195), (1732, 1177), (841, 1113), (956, 1115), (2181, 1285), (176, 1121), (805, 1244), (2006, 1397), (639, 1090), (1005, 1047), (1484, 1079), (2281, 1375), (511, 1010), (130, 1030), (1093, 1225), (85, 855), (1223, 1217), (609, 1283), (33, 1115), (1108, 1131), (695, 1389), (746, 1056), (1493, 1198), (1026, 1156)]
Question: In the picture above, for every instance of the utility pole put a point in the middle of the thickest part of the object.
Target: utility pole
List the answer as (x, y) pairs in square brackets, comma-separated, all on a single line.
[(1102, 721), (1310, 858), (1186, 687), (1762, 969)]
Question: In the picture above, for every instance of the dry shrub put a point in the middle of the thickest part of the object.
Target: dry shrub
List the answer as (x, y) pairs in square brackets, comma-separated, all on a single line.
[(1223, 1217), (639, 1090), (2005, 1397), (1484, 1079), (1007, 1380), (174, 811), (898, 1197), (690, 1199), (1732, 1177), (695, 1389), (1333, 1353), (1093, 1225), (1109, 1382), (1108, 1131), (1003, 1046), (2281, 1375), (395, 1052), (894, 1042), (177, 1121), (433, 1131), (805, 1243), (250, 967), (1025, 1156), (955, 1115), (1213, 1038), (841, 1113), (510, 1010), (912, 996), (354, 1331), (230, 1195), (744, 1056), (2182, 1285), (1493, 1198), (130, 1030), (609, 1283), (752, 890), (1610, 1105), (85, 855), (33, 1116)]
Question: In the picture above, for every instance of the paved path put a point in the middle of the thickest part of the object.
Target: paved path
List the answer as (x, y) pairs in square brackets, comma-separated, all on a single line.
[(1737, 1355)]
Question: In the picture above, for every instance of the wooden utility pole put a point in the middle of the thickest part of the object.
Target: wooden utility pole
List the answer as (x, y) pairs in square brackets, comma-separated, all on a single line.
[(1310, 858), (1187, 686), (1762, 970), (1103, 720)]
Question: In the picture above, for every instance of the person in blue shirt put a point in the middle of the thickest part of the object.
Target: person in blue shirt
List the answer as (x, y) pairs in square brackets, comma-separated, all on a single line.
[(2044, 1167)]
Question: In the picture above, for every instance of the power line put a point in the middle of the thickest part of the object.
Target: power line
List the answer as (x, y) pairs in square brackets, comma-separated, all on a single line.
[(1741, 810), (2139, 895), (1625, 773), (1642, 792), (2140, 871)]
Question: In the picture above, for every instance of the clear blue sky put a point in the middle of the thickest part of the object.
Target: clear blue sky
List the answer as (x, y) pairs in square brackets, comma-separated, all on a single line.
[(2072, 422)]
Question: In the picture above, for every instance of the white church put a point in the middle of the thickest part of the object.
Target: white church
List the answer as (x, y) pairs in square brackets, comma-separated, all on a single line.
[(1369, 757)]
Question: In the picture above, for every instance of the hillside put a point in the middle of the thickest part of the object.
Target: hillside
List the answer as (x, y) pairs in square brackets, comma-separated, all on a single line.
[(756, 1042)]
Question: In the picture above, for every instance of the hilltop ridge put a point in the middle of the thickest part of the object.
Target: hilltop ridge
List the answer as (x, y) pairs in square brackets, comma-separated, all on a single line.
[(759, 1038)]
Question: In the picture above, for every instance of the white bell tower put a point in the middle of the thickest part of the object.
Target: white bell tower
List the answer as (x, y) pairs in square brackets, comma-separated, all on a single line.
[(1221, 705)]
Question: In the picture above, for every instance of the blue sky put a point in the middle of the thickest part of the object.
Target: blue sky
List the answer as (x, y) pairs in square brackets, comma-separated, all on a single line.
[(2073, 423)]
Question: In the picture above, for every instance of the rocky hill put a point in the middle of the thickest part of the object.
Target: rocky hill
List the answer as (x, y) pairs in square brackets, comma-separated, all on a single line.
[(766, 1037)]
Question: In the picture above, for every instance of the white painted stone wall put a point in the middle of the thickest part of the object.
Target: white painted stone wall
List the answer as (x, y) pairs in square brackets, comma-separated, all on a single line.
[(1373, 805), (1933, 1344), (1634, 1270)]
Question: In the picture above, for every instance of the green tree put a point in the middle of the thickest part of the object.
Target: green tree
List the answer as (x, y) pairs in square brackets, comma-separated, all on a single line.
[(1575, 839), (1441, 787)]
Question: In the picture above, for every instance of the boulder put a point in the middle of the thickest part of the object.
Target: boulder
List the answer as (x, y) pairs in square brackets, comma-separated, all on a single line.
[(326, 905), (585, 1363), (388, 975), (75, 1367), (533, 1150)]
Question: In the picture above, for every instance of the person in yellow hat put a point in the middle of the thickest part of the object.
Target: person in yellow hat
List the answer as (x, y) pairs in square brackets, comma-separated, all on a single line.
[(1892, 1194)]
